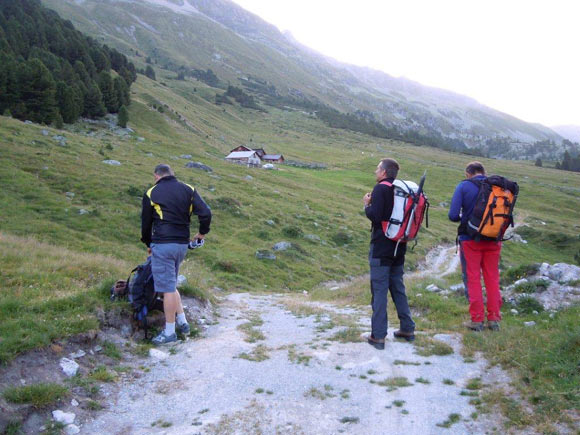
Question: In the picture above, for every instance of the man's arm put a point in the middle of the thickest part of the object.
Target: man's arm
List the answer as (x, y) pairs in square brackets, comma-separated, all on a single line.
[(381, 206), (203, 213), (456, 203), (146, 220)]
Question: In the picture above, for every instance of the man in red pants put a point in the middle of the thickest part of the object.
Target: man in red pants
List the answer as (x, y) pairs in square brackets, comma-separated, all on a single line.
[(477, 256)]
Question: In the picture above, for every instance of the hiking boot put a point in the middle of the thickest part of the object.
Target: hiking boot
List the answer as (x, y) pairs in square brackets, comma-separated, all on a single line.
[(474, 326), (409, 336), (493, 325), (164, 339), (183, 328), (377, 343)]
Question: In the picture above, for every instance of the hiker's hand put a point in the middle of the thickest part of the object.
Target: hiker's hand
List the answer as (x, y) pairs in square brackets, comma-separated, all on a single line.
[(367, 199), (148, 251), (199, 236)]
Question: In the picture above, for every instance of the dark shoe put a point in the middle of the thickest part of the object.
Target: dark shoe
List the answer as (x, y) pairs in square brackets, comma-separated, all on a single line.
[(474, 326), (164, 339), (184, 328), (493, 325), (377, 343), (409, 336)]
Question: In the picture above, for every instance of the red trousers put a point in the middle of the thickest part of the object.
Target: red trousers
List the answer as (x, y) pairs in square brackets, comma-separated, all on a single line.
[(483, 257)]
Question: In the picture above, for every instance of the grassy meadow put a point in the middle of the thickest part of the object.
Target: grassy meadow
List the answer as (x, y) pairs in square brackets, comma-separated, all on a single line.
[(56, 260)]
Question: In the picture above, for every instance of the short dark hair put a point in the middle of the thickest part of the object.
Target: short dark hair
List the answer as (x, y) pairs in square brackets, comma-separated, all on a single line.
[(163, 170), (391, 167), (475, 168)]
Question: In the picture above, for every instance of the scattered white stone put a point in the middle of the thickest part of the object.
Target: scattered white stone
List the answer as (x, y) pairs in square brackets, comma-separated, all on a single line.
[(432, 288), (74, 402), (71, 429), (82, 211), (457, 287), (535, 312), (419, 295), (186, 156), (181, 279), (520, 281), (44, 132), (532, 323), (552, 315), (270, 222), (514, 311), (334, 288), (69, 367), (304, 292), (249, 177), (98, 348), (70, 195), (112, 162), (63, 417), (78, 354), (158, 354)]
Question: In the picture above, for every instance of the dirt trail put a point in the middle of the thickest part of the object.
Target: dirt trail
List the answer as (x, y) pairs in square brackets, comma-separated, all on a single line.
[(441, 261), (307, 383)]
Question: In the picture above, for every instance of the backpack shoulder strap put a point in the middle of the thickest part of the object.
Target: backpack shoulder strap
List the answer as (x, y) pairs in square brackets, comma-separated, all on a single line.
[(386, 183)]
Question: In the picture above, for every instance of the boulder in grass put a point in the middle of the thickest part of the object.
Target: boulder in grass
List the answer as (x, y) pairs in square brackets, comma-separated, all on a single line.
[(198, 165), (264, 254), (282, 246), (112, 162), (432, 288)]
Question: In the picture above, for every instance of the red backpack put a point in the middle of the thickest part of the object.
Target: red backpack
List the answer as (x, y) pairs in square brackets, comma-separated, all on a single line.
[(410, 206)]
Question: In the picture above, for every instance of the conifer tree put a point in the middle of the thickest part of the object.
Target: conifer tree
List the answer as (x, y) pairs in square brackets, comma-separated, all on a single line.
[(122, 91), (109, 95), (123, 117), (94, 107), (58, 121), (37, 92), (150, 72)]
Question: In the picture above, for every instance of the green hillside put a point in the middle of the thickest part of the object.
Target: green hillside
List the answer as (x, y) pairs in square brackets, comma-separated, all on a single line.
[(70, 224), (304, 204)]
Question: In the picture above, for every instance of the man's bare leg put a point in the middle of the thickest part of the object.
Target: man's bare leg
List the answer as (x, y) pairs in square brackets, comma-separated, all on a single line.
[(171, 304)]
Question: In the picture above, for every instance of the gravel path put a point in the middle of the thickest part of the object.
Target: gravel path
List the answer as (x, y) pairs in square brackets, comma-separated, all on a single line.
[(308, 384)]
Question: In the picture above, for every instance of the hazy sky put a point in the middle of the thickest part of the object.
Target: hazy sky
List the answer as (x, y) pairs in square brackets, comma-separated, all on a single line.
[(520, 57)]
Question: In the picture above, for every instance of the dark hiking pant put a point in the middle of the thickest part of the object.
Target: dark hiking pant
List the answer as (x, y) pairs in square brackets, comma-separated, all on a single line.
[(383, 279)]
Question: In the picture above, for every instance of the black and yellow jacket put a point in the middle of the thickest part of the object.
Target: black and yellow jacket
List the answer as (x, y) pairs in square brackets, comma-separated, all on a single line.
[(167, 209)]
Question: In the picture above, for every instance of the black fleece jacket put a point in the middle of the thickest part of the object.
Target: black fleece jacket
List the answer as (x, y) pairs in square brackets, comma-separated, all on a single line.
[(380, 210), (166, 212)]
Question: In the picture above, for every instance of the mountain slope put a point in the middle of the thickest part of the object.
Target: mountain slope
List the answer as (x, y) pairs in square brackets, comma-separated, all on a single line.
[(570, 132), (238, 45)]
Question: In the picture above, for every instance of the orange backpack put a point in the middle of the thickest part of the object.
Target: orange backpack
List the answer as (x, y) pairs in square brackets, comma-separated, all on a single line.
[(493, 210)]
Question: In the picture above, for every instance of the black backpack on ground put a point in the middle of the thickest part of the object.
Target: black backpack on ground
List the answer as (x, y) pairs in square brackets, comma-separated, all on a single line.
[(141, 293)]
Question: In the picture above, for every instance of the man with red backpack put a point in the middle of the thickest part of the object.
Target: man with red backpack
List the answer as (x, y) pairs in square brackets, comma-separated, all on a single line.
[(386, 260), (483, 206)]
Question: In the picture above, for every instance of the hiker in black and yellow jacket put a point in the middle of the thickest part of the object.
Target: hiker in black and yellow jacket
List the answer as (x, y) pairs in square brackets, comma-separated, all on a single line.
[(165, 219)]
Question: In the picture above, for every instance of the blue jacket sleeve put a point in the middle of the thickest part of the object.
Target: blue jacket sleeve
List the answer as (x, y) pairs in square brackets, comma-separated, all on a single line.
[(456, 204)]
